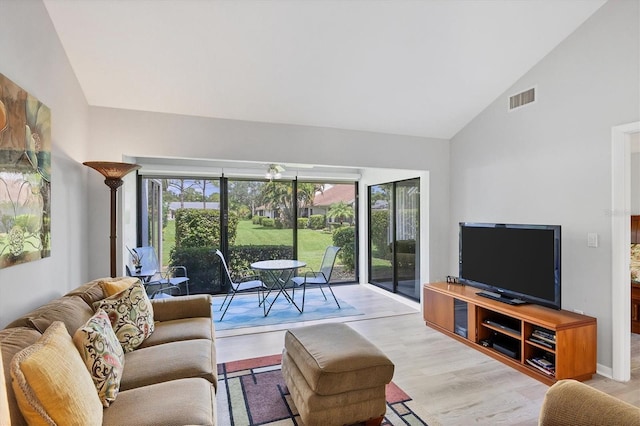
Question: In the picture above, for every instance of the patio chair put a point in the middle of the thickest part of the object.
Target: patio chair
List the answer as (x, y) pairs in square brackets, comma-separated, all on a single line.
[(320, 278), (170, 280), (248, 281)]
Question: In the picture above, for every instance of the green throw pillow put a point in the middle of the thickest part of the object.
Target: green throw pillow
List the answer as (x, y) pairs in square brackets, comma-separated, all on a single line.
[(131, 315)]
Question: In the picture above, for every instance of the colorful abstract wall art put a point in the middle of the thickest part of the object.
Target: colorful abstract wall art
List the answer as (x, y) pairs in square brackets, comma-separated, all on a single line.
[(25, 176)]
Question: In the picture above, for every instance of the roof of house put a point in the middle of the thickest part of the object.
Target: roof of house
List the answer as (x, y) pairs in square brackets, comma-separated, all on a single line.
[(175, 205), (335, 194)]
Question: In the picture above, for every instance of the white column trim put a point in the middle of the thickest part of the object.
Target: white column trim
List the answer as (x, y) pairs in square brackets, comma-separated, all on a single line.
[(621, 236)]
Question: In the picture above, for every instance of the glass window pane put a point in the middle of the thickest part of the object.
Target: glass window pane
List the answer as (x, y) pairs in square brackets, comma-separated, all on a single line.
[(380, 235), (326, 217), (408, 238), (263, 212)]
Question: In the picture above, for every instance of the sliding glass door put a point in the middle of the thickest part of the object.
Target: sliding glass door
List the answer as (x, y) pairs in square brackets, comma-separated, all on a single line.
[(407, 238), (327, 215), (381, 236), (394, 243), (187, 219)]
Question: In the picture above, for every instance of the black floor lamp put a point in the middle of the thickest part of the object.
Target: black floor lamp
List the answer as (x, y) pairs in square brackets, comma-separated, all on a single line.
[(113, 174)]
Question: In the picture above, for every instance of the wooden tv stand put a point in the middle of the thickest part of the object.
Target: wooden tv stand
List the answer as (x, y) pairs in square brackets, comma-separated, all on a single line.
[(456, 310)]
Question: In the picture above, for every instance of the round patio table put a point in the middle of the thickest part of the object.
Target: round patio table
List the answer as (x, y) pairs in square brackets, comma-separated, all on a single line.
[(279, 272)]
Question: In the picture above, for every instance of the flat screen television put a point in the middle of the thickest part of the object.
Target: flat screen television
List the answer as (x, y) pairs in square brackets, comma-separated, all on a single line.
[(512, 263)]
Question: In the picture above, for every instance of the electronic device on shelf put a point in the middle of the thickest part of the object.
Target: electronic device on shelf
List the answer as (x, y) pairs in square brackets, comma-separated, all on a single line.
[(505, 345), (502, 326), (509, 351), (519, 263)]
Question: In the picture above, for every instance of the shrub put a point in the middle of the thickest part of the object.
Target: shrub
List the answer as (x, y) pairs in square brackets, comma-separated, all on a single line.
[(278, 224), (379, 233), (317, 221), (303, 222), (201, 228), (197, 228), (267, 222), (256, 220), (345, 238), (204, 269)]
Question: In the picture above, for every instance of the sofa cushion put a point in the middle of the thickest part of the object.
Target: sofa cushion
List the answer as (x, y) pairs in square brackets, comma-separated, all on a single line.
[(131, 315), (12, 341), (196, 305), (178, 402), (170, 361), (51, 383), (180, 329), (116, 285), (90, 292), (102, 354), (71, 310)]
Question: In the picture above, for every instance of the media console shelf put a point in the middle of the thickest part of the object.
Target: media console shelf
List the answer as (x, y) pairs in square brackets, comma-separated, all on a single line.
[(546, 344)]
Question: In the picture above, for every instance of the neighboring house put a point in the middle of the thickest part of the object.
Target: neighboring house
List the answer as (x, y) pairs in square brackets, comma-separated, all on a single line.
[(266, 211), (323, 201), (175, 205), (380, 205)]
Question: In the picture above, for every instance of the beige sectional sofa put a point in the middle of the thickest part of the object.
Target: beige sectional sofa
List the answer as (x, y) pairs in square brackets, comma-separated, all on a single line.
[(170, 379), (569, 403)]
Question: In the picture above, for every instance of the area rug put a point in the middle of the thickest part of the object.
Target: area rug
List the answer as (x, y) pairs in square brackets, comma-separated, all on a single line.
[(252, 392), (245, 312)]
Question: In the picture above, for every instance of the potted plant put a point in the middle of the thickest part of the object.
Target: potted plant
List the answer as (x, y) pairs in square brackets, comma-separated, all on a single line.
[(136, 259)]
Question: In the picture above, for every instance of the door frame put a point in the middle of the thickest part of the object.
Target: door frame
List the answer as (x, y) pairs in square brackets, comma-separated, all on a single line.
[(620, 239)]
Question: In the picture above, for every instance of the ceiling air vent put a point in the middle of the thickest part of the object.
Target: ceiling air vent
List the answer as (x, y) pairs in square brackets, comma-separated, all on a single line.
[(522, 99)]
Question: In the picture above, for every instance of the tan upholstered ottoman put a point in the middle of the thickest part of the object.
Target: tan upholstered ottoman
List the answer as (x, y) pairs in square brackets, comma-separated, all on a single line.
[(335, 375)]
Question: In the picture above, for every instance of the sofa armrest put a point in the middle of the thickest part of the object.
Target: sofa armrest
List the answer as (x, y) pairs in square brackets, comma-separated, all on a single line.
[(569, 402), (197, 305)]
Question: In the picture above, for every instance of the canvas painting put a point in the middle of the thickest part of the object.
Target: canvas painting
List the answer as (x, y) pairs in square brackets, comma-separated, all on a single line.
[(25, 176)]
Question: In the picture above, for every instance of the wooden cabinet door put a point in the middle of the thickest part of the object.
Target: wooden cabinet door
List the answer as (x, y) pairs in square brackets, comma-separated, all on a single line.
[(635, 309), (438, 309), (635, 229)]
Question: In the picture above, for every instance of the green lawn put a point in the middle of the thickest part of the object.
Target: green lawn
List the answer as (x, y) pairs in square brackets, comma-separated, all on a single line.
[(168, 240), (311, 244)]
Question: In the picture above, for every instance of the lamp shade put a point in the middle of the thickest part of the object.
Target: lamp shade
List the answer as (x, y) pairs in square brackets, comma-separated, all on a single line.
[(112, 170)]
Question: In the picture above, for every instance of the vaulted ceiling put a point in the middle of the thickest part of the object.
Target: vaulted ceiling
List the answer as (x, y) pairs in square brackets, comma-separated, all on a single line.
[(422, 68)]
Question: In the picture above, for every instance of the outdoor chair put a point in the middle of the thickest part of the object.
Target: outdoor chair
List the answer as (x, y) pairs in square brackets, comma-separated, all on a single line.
[(149, 271), (320, 278), (249, 281)]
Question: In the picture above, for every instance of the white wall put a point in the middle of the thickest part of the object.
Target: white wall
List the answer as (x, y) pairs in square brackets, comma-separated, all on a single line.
[(116, 132), (550, 162), (635, 183), (32, 57)]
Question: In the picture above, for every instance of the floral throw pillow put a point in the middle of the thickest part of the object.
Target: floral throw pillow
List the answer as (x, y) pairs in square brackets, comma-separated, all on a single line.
[(102, 354), (131, 315)]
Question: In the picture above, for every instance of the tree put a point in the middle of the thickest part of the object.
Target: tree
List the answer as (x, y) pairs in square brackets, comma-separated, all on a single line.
[(340, 210), (179, 187), (307, 193), (279, 197), (204, 184), (244, 193)]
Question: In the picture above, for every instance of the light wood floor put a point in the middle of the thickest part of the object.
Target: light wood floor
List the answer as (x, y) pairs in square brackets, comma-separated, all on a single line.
[(450, 383)]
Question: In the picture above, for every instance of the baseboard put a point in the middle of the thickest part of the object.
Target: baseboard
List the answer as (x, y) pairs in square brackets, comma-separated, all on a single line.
[(605, 371)]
